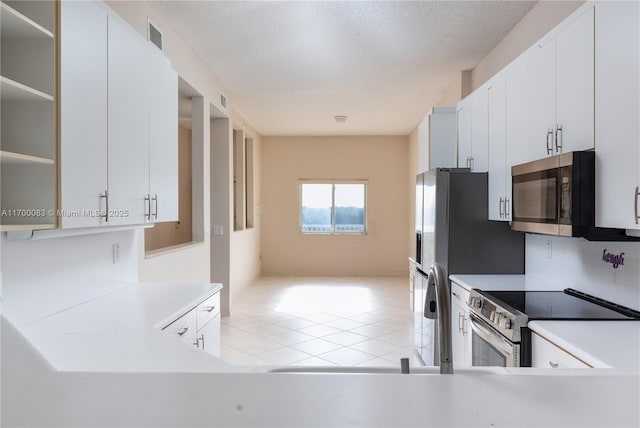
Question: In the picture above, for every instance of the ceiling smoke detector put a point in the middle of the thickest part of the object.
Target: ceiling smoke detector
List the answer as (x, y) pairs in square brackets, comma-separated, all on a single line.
[(340, 118)]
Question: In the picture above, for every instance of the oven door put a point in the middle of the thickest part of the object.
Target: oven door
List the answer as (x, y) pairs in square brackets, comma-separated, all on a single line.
[(490, 348)]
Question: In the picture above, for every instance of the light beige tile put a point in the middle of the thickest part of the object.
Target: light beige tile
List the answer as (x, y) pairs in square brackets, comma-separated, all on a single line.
[(399, 339), (290, 338), (344, 324), (346, 357), (319, 317), (294, 323), (345, 338), (371, 330), (316, 346), (315, 362), (283, 356), (374, 347), (319, 330)]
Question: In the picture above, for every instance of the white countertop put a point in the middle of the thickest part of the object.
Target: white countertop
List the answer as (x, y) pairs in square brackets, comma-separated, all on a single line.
[(121, 332), (109, 354), (504, 282), (601, 344)]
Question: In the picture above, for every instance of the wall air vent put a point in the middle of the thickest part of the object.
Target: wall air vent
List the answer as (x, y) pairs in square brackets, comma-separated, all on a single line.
[(154, 35), (223, 100)]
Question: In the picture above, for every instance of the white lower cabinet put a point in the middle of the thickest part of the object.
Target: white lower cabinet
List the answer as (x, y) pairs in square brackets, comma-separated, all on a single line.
[(460, 327), (200, 326), (545, 354)]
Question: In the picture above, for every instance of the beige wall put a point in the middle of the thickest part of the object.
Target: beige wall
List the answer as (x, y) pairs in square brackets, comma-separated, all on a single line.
[(380, 160), (541, 19)]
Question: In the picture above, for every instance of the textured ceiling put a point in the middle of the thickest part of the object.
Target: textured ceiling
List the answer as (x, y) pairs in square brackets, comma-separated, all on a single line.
[(290, 67)]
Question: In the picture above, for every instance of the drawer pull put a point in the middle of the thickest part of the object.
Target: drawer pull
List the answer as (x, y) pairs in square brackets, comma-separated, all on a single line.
[(182, 331), (554, 365), (209, 309)]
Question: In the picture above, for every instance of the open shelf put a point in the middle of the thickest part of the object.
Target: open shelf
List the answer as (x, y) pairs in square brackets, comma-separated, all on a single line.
[(14, 91), (15, 25), (12, 158), (21, 227)]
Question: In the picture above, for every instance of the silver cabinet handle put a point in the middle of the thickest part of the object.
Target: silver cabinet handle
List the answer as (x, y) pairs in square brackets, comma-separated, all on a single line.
[(209, 309), (507, 211), (106, 206), (147, 207), (549, 141), (636, 204), (501, 212), (559, 138), (464, 325), (471, 162), (554, 365), (155, 212), (454, 293), (460, 318), (202, 338), (182, 331)]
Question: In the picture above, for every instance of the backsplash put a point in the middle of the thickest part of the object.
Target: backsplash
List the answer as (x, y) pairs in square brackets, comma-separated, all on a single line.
[(42, 277), (610, 270)]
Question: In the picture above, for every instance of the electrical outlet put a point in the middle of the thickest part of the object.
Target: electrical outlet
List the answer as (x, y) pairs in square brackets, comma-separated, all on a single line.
[(217, 230), (549, 249), (115, 248)]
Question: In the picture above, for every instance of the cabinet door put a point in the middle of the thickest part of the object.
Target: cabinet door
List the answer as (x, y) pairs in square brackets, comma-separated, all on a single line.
[(460, 330), (465, 115), (163, 137), (423, 146), (545, 354), (480, 131), (574, 85), (498, 171), (442, 139), (209, 337), (128, 159), (83, 115), (531, 99), (617, 129)]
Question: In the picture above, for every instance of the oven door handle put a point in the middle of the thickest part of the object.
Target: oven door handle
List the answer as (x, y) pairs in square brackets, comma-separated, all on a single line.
[(491, 336)]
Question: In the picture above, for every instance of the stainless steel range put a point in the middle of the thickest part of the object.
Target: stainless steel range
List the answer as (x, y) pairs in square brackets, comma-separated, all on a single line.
[(500, 336)]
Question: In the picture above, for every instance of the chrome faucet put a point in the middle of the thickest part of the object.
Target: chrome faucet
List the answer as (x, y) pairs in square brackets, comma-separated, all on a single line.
[(438, 281)]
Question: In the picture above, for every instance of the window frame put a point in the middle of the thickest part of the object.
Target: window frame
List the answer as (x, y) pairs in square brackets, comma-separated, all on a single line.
[(333, 183)]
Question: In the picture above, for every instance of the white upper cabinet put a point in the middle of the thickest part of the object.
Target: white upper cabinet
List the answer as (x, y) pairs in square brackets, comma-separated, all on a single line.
[(437, 139), (119, 118), (163, 138), (128, 125), (473, 142), (550, 94), (465, 112), (499, 173), (83, 118), (617, 109), (479, 131), (574, 85)]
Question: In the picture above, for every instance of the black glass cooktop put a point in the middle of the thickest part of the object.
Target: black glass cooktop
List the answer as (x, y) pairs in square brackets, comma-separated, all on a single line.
[(563, 305)]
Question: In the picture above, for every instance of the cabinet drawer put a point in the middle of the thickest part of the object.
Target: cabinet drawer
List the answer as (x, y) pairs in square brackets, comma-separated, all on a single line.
[(545, 354), (184, 328), (208, 310), (459, 295)]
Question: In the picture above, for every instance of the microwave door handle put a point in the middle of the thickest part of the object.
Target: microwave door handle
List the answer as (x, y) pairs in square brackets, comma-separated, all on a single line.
[(549, 141)]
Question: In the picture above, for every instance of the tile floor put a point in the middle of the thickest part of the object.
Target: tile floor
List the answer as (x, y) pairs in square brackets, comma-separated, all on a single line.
[(351, 321)]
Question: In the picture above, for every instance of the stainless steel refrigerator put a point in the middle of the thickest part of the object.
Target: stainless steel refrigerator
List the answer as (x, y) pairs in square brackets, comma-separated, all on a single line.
[(452, 228)]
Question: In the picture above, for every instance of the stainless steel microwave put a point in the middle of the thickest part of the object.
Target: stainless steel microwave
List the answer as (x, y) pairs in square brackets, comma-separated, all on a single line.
[(556, 196)]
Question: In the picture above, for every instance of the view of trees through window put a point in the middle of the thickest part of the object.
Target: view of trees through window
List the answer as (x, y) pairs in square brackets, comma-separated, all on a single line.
[(333, 207)]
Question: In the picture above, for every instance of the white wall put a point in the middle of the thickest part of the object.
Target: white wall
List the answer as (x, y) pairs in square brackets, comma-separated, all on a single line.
[(578, 264), (41, 277)]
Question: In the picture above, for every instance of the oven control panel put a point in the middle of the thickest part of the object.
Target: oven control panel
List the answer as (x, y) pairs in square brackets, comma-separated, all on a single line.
[(498, 315)]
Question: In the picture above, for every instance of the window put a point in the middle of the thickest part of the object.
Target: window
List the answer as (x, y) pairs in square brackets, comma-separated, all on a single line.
[(334, 208)]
